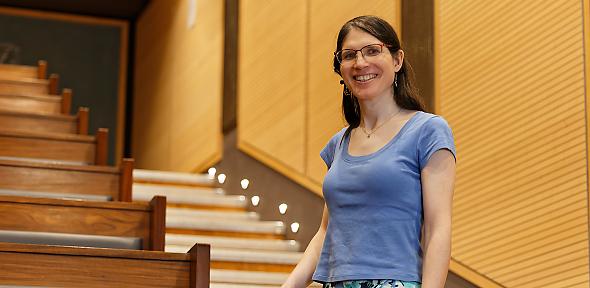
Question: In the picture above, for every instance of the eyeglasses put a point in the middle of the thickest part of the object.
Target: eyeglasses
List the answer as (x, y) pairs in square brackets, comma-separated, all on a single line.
[(347, 56)]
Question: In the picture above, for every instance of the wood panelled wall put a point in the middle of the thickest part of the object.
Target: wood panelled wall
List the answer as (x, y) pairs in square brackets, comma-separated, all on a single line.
[(288, 95), (178, 86), (511, 83)]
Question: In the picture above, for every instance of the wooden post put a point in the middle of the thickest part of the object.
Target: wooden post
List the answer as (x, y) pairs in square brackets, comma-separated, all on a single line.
[(200, 266), (158, 223), (66, 101), (102, 146), (126, 180), (42, 69), (53, 83), (83, 120)]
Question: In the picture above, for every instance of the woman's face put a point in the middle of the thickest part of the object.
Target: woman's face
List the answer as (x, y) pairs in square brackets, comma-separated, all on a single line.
[(369, 77)]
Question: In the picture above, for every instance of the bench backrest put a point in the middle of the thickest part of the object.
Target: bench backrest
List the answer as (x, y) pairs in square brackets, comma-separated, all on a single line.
[(54, 266), (145, 221)]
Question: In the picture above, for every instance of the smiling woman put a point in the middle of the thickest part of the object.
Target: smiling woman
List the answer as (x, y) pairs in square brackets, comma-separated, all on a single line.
[(390, 174)]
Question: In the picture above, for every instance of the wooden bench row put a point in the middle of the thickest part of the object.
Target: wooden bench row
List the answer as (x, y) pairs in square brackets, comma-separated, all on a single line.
[(55, 219), (44, 152), (56, 266)]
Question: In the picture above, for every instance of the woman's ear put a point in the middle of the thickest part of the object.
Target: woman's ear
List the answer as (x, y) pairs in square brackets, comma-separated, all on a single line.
[(398, 60)]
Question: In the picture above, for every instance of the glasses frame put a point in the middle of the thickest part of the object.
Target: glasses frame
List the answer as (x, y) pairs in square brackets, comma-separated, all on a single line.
[(339, 52)]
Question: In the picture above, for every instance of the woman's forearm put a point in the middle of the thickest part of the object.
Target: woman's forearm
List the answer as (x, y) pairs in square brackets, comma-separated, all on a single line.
[(301, 276), (437, 254)]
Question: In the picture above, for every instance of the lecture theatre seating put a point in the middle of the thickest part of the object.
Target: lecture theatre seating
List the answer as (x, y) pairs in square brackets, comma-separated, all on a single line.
[(66, 217)]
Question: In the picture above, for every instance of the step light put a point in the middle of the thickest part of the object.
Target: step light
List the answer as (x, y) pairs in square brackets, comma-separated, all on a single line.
[(245, 183), (295, 227), (212, 172), (255, 200), (221, 178), (283, 208)]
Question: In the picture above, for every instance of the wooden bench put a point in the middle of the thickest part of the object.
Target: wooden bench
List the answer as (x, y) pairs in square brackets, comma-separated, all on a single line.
[(54, 104), (55, 266), (80, 149), (114, 183), (29, 86), (22, 71), (57, 217), (44, 122)]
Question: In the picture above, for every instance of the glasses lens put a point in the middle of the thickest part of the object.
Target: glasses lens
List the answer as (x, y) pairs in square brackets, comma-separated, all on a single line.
[(371, 50)]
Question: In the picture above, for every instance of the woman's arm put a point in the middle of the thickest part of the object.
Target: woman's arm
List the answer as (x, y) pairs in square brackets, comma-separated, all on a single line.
[(438, 180), (301, 276)]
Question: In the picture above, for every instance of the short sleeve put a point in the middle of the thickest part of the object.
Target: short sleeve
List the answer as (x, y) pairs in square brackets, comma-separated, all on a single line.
[(329, 150), (435, 135)]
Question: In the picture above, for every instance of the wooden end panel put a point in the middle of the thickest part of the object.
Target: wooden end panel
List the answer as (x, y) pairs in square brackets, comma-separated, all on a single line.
[(102, 146), (158, 223), (42, 69), (126, 180), (66, 101), (53, 84), (36, 268), (200, 266)]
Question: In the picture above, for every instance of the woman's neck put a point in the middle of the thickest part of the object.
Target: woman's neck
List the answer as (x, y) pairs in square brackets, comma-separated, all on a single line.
[(376, 111)]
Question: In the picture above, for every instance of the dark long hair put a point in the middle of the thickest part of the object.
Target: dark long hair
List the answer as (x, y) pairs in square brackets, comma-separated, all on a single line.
[(405, 93)]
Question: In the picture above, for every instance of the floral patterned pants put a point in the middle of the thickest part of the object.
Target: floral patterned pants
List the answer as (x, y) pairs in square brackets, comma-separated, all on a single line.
[(373, 284)]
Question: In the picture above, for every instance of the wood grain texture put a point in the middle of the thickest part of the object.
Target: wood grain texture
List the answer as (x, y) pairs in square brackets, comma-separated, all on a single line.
[(272, 79), (93, 180), (85, 217), (24, 86), (178, 87), (30, 103), (12, 71), (75, 267), (324, 102), (521, 200), (68, 147), (42, 122)]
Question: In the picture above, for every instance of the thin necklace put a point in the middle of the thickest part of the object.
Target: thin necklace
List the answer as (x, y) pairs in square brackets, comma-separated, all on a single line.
[(369, 133)]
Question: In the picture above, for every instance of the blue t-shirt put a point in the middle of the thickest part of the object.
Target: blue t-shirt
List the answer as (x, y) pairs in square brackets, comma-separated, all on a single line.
[(375, 204)]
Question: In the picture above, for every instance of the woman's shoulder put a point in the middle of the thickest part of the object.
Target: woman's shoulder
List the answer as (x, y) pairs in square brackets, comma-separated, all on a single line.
[(431, 121)]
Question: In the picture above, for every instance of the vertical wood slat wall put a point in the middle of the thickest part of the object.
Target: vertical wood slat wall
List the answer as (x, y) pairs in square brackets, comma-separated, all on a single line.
[(288, 95), (178, 86), (511, 83)]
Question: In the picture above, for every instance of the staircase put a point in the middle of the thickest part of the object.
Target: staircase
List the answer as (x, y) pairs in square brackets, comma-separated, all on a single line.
[(245, 251)]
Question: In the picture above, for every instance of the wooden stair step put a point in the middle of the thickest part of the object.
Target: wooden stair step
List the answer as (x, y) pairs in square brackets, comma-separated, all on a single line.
[(179, 242), (247, 277), (173, 178), (201, 213), (233, 201), (175, 190), (204, 224), (255, 256)]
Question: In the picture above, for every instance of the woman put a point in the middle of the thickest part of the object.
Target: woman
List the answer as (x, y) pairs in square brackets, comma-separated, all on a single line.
[(389, 186)]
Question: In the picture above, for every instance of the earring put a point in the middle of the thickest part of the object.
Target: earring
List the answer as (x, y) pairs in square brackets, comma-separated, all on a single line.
[(347, 92), (395, 81)]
